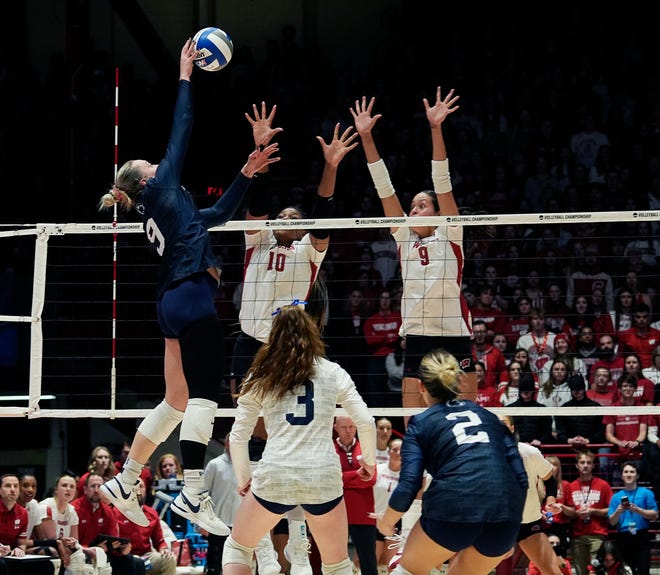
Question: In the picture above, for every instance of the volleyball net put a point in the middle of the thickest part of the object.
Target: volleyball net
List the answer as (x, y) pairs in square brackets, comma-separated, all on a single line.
[(79, 332)]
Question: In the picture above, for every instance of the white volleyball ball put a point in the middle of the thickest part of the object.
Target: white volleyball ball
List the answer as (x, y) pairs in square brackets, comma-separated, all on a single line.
[(214, 49)]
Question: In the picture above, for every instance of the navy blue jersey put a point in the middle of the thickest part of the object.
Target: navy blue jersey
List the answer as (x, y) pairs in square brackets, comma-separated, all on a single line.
[(477, 472), (174, 225)]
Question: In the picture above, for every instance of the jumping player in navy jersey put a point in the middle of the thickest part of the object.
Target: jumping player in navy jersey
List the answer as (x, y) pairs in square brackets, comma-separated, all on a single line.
[(470, 455), (188, 280)]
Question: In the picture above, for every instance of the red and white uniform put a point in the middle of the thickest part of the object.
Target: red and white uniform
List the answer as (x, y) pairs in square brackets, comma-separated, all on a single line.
[(63, 521), (274, 276), (432, 270)]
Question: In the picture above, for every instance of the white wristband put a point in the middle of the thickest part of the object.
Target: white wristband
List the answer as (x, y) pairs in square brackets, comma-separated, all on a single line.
[(440, 176), (381, 179)]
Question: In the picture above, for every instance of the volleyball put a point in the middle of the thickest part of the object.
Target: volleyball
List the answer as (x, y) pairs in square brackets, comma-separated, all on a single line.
[(214, 49)]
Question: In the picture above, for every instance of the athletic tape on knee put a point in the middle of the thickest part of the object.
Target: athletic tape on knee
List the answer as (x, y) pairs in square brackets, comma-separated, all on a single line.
[(344, 567), (198, 420), (411, 516), (236, 553), (160, 423)]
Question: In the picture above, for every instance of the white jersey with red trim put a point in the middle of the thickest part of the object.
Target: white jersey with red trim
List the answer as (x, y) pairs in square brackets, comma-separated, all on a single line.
[(274, 276), (432, 270), (63, 521)]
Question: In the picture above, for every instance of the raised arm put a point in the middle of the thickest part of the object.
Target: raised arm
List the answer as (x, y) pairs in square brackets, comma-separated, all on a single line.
[(436, 115), (225, 208), (334, 153), (258, 197), (364, 124)]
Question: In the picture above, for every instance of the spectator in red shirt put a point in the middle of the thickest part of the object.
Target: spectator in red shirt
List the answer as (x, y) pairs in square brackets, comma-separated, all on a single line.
[(485, 393), (13, 518), (641, 338), (609, 358), (626, 432), (603, 388), (484, 352), (645, 391), (493, 318), (148, 542), (98, 518), (587, 503), (518, 323), (381, 332), (358, 494)]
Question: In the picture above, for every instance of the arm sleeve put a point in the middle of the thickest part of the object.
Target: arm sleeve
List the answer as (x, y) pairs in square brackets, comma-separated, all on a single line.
[(323, 208), (258, 196), (515, 461), (246, 418), (411, 476), (225, 208), (169, 170), (550, 486)]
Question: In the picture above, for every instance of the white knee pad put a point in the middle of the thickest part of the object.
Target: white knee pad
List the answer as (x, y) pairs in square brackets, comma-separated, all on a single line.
[(198, 420), (344, 567), (233, 552), (160, 423)]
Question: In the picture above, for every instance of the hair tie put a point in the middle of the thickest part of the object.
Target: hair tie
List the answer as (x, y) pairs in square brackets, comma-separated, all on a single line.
[(294, 302)]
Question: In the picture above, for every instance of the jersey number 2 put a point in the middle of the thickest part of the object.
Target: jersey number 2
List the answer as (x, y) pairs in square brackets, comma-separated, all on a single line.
[(461, 429)]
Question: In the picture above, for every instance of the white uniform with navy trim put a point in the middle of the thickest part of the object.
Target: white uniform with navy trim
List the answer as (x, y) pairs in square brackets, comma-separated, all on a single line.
[(431, 269), (274, 276), (299, 463), (537, 469)]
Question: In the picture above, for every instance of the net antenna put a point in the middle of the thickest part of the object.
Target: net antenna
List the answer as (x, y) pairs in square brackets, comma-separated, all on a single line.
[(113, 364)]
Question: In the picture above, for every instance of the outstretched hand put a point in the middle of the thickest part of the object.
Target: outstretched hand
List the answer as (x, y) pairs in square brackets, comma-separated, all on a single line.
[(186, 63), (442, 108), (262, 130), (339, 146), (259, 159), (364, 121)]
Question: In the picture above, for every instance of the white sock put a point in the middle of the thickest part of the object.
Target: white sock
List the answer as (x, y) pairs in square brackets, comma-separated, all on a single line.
[(193, 480), (131, 472)]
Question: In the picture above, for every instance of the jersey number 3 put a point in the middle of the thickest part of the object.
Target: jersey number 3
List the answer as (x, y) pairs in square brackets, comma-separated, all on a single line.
[(305, 400), (461, 429)]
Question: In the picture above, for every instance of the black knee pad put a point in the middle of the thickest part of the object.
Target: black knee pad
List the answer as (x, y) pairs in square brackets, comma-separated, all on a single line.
[(203, 357)]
